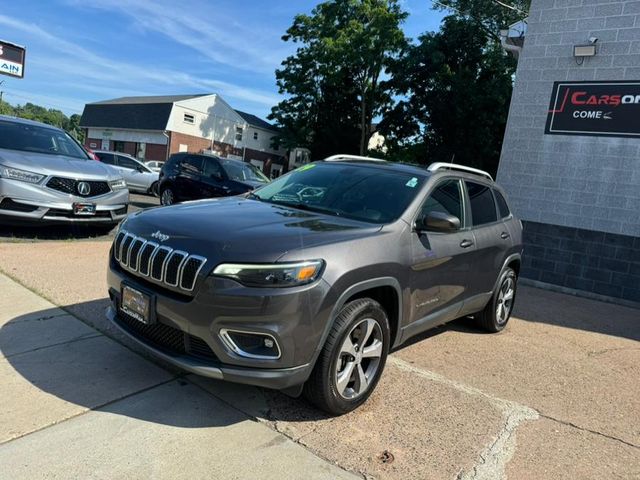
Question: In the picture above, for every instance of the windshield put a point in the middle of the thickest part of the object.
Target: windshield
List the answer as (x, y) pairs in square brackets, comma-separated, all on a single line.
[(359, 192), (33, 138), (242, 172)]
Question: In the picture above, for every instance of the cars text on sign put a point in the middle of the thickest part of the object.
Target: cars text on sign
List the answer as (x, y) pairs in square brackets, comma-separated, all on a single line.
[(595, 108)]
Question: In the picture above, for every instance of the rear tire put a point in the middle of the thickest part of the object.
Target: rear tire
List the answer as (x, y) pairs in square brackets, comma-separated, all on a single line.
[(352, 359), (495, 316), (167, 197)]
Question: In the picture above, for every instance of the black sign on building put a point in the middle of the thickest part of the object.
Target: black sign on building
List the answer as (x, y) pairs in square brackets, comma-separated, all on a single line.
[(595, 108), (11, 59)]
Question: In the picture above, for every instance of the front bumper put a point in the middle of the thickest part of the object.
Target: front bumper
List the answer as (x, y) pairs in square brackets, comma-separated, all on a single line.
[(294, 318), (278, 379), (25, 202)]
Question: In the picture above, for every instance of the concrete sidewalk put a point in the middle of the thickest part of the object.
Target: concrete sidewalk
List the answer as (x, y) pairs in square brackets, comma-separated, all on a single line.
[(77, 404)]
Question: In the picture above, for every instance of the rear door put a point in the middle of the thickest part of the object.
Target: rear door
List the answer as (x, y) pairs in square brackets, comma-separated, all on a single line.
[(188, 178), (441, 261), (491, 248)]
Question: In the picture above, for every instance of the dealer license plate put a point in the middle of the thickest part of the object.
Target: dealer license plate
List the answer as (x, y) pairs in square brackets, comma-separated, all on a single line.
[(84, 208), (136, 304)]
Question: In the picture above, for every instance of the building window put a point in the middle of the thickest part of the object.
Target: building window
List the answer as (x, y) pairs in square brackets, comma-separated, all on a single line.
[(239, 134), (255, 135), (189, 118)]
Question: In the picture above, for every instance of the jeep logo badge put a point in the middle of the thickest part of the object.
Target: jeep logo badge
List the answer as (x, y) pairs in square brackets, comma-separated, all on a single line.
[(84, 188), (158, 235)]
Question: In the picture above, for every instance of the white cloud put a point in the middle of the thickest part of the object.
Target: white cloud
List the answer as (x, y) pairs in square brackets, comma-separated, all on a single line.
[(204, 28), (65, 61)]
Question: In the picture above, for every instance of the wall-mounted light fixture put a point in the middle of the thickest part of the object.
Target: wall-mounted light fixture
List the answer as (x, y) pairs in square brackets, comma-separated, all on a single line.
[(580, 52)]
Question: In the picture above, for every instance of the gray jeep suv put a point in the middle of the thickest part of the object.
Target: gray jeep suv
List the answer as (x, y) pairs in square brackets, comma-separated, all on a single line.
[(305, 284), (47, 177)]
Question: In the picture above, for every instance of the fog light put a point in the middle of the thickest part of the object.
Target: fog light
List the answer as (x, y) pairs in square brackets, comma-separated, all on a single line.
[(251, 344)]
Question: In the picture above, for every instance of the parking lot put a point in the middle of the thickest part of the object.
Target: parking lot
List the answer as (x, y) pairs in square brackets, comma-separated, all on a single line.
[(556, 395)]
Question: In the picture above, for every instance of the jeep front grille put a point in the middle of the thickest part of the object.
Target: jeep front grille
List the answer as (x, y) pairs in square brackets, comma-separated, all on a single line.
[(161, 263)]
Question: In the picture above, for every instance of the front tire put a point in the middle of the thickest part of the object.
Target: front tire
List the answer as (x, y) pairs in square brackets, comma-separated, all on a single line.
[(352, 359), (497, 313)]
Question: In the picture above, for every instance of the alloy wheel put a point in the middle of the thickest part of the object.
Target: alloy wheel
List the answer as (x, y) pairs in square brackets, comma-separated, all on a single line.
[(359, 359), (167, 197), (505, 300)]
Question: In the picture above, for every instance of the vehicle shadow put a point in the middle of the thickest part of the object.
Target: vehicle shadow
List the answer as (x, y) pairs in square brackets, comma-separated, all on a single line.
[(60, 356), (52, 232)]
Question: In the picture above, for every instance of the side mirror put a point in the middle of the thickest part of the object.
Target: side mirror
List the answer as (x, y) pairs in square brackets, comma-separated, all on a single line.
[(438, 222)]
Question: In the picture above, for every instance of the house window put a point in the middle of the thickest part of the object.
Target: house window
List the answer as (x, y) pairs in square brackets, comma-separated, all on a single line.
[(255, 135), (239, 134), (189, 118)]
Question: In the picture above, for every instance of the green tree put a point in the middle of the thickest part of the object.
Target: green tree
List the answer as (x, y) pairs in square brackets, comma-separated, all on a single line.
[(490, 15), (332, 82), (49, 116), (455, 88)]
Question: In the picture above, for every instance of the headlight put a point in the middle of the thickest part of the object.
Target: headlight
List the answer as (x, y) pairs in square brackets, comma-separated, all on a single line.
[(119, 184), (22, 175), (271, 275)]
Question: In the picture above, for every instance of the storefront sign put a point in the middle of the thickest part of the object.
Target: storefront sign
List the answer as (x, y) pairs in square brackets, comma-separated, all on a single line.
[(595, 108), (11, 59)]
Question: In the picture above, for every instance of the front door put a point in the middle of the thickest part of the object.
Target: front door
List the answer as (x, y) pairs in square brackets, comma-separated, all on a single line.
[(213, 179), (188, 178), (440, 261)]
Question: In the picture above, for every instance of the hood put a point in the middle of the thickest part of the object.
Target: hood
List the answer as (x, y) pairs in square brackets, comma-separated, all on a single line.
[(58, 165), (236, 229)]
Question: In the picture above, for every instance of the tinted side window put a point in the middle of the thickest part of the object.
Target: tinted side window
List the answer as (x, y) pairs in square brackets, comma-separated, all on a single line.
[(192, 164), (446, 198), (483, 208), (503, 208), (106, 158), (212, 168), (125, 162)]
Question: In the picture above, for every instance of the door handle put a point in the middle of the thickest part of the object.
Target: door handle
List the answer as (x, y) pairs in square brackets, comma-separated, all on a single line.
[(504, 235), (466, 243)]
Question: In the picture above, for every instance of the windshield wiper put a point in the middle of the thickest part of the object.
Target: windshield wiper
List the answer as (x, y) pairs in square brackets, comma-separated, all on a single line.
[(309, 208)]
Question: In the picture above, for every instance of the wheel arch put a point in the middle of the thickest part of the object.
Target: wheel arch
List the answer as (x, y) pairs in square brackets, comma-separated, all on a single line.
[(385, 290)]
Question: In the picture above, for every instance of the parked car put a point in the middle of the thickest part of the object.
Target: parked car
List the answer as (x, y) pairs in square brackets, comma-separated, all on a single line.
[(138, 176), (188, 176), (307, 283), (46, 176), (154, 165)]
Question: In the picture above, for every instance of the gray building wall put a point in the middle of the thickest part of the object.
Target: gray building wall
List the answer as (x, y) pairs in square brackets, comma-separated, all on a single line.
[(583, 184)]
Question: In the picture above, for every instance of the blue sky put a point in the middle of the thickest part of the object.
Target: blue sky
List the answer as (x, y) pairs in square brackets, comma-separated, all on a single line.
[(80, 51)]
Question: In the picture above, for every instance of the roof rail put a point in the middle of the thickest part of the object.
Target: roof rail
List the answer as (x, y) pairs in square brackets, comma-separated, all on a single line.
[(345, 158), (434, 167)]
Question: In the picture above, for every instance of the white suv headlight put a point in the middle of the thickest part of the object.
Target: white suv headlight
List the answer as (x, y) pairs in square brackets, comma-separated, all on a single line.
[(119, 184), (22, 175)]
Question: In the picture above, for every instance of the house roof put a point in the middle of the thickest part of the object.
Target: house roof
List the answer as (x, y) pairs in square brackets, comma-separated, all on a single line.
[(134, 116), (255, 121), (149, 99), (136, 113)]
